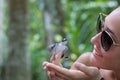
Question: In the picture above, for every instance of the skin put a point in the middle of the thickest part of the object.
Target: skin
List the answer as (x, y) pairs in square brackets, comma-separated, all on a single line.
[(108, 60), (92, 65)]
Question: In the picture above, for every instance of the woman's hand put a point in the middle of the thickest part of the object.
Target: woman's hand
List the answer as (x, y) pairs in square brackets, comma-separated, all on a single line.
[(55, 59), (80, 72)]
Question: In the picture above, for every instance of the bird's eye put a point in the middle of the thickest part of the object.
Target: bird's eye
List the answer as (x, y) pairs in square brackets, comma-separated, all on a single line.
[(64, 40)]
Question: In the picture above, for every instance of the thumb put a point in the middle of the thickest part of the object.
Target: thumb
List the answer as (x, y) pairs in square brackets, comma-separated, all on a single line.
[(86, 69)]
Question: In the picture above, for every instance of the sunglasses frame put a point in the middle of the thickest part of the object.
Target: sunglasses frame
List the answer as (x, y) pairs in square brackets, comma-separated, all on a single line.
[(100, 22), (114, 43), (100, 26)]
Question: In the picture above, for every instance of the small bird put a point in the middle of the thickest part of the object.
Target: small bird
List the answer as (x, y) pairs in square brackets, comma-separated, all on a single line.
[(59, 47)]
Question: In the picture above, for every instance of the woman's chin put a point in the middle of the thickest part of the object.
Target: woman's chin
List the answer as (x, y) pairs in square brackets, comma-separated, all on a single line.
[(95, 62)]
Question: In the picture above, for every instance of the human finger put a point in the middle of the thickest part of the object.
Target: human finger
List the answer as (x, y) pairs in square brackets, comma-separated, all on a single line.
[(52, 59), (72, 75), (54, 76), (51, 75), (57, 59), (44, 64), (87, 70), (58, 69), (61, 76), (58, 56), (63, 71)]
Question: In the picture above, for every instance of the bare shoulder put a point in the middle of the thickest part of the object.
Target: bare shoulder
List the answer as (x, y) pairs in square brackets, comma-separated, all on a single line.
[(85, 59)]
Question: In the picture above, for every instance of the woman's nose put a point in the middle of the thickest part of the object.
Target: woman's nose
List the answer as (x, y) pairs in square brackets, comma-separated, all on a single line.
[(96, 39)]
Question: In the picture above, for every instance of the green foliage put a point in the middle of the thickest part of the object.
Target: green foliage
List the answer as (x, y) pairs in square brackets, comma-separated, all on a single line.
[(37, 41), (37, 57), (81, 21), (80, 26)]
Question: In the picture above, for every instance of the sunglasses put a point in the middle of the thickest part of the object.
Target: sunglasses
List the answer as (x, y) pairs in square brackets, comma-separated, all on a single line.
[(106, 39)]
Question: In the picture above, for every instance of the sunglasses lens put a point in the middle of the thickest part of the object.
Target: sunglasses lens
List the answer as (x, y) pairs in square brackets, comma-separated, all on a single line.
[(106, 41)]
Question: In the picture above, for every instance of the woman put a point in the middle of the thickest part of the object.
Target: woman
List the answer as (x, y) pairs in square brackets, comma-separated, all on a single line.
[(101, 64)]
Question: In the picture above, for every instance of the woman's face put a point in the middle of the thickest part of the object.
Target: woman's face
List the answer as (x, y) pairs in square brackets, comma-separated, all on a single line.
[(108, 59)]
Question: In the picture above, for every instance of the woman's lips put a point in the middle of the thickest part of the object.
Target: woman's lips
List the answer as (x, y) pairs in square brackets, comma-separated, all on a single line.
[(96, 53)]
